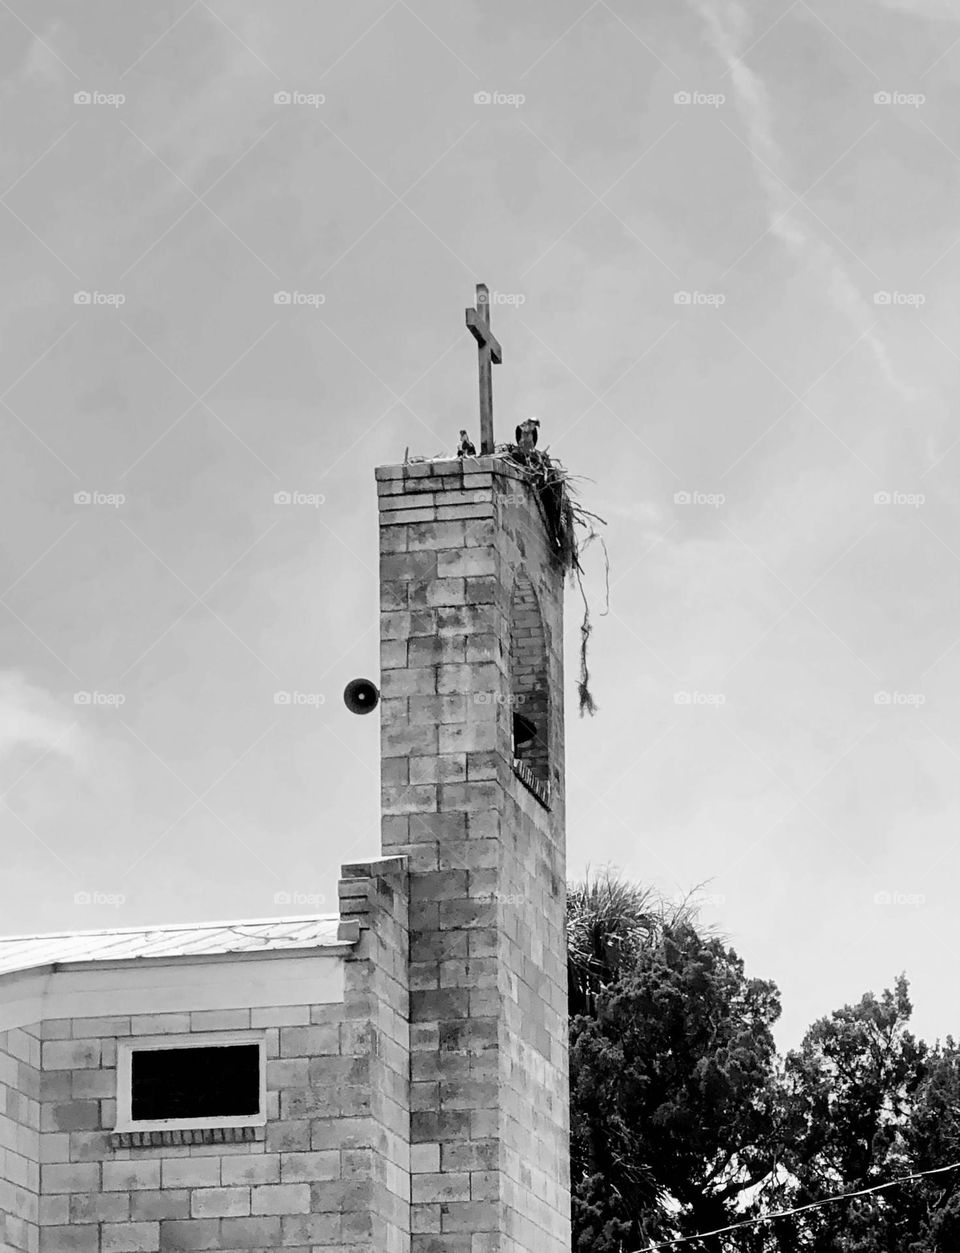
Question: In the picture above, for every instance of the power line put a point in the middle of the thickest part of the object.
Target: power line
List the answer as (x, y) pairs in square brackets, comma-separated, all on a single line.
[(766, 1218)]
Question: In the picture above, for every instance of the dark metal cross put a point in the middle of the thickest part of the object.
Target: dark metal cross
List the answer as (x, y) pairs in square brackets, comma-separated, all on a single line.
[(488, 350)]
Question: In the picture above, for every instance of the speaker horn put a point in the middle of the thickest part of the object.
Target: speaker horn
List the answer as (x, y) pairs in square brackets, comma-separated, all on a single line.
[(361, 696)]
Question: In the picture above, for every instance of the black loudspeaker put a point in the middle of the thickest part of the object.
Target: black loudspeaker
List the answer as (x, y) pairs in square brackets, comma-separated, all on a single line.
[(361, 696)]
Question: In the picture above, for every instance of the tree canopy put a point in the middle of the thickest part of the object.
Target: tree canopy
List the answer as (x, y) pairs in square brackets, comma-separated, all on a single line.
[(684, 1119)]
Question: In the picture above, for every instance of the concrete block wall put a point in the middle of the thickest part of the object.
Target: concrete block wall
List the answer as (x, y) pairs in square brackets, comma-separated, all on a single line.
[(532, 952), (490, 1141), (376, 1008), (20, 1140), (328, 1170), (283, 1190)]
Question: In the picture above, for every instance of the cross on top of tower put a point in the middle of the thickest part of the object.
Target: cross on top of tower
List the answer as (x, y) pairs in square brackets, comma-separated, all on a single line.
[(489, 354)]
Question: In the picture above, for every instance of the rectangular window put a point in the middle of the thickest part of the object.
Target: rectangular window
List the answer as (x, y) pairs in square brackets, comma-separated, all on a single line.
[(175, 1082)]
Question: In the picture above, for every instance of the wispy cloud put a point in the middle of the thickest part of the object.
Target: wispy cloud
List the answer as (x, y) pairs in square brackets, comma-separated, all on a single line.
[(31, 717), (727, 22), (41, 66)]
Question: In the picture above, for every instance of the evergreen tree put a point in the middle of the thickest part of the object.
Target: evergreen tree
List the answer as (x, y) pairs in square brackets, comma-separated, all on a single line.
[(672, 1073), (684, 1120)]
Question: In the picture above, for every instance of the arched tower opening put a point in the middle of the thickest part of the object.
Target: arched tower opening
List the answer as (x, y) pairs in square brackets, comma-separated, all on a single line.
[(529, 681)]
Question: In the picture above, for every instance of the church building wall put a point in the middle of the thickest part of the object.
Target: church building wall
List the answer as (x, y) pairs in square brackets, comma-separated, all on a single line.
[(329, 1168), (20, 1139)]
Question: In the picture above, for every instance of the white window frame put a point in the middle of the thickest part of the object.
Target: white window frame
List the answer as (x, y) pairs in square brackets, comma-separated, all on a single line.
[(125, 1050)]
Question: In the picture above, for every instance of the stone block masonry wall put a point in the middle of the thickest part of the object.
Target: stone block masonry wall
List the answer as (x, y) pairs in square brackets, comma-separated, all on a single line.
[(489, 1091), (286, 1189), (378, 1005), (532, 950), (328, 1171), (20, 1140)]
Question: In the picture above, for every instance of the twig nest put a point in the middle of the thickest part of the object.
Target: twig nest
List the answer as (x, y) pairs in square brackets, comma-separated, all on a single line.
[(562, 513)]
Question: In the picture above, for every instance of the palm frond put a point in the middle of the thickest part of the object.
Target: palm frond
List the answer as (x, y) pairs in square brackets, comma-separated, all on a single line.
[(609, 921)]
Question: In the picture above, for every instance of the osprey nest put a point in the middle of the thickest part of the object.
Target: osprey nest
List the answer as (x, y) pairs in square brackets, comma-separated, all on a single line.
[(562, 515)]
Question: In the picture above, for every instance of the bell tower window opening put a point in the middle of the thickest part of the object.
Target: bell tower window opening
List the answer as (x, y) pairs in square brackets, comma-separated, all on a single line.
[(529, 683)]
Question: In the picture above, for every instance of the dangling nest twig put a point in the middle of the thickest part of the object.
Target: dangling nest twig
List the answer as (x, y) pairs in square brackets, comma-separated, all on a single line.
[(562, 513)]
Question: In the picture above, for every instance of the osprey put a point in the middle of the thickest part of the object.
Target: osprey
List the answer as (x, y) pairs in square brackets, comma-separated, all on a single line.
[(466, 448), (527, 434)]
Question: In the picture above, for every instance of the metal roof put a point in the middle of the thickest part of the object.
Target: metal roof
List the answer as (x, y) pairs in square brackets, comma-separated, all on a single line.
[(188, 939)]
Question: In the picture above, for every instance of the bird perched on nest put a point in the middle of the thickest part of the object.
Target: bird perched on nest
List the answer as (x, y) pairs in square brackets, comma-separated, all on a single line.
[(527, 434), (466, 448)]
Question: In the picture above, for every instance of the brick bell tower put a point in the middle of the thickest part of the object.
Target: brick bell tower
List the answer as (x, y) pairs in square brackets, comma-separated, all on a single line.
[(473, 795)]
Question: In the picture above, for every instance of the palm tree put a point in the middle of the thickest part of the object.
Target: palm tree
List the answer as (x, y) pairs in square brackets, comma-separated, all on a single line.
[(609, 921)]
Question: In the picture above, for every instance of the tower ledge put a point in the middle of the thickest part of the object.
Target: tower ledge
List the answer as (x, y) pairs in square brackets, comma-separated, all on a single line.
[(456, 467)]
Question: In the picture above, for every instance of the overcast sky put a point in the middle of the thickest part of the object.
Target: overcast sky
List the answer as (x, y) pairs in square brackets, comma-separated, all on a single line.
[(723, 241)]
